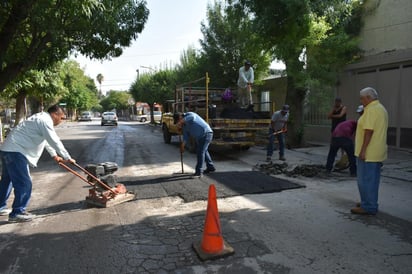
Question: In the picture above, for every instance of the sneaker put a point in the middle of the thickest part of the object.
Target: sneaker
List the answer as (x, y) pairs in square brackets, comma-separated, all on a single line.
[(209, 170), (282, 158), (196, 176), (21, 217), (5, 211)]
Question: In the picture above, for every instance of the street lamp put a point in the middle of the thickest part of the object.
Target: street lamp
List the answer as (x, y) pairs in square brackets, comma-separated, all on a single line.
[(137, 70), (152, 69)]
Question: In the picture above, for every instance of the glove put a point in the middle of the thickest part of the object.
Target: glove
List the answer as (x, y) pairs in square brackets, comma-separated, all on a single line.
[(182, 147)]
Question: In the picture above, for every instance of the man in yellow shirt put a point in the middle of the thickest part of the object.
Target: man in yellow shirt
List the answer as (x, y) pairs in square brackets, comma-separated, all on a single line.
[(371, 150)]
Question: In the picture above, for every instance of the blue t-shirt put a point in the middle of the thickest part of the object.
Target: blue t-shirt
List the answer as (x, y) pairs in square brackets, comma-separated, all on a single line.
[(194, 126)]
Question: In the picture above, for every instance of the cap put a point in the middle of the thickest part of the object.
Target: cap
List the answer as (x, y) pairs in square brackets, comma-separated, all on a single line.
[(247, 62), (176, 117), (285, 108), (359, 109)]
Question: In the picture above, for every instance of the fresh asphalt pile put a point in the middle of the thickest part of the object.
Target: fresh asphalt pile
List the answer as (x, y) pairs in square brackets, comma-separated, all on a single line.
[(273, 168)]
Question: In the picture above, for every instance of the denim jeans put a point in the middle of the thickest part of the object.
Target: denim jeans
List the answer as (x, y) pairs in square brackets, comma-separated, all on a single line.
[(369, 174), (281, 143), (15, 174), (347, 145), (202, 145)]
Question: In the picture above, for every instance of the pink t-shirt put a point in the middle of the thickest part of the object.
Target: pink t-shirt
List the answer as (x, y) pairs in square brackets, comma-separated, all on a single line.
[(345, 129)]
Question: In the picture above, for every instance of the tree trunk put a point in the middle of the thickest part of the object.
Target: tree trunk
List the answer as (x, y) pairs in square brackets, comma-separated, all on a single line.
[(21, 110)]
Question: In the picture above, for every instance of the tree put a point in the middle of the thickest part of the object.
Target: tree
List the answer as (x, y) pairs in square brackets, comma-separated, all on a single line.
[(81, 91), (34, 34), (228, 40), (39, 87), (154, 88), (100, 79), (305, 34), (116, 100)]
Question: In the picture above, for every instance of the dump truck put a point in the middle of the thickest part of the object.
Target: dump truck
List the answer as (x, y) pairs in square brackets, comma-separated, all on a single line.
[(232, 126)]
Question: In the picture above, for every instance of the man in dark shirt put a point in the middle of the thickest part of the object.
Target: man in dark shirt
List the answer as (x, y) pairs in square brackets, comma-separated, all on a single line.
[(342, 137), (337, 114)]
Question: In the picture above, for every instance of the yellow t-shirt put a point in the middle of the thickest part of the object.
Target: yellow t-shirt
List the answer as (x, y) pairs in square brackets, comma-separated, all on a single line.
[(374, 117)]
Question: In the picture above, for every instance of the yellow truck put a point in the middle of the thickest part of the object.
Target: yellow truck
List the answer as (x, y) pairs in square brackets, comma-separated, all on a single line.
[(231, 125)]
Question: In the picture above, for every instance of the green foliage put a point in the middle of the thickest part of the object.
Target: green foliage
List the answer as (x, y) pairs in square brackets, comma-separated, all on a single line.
[(35, 34), (229, 40), (82, 92), (115, 100), (154, 88)]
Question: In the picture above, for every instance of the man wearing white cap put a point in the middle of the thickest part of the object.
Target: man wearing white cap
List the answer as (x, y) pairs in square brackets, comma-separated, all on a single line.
[(244, 83)]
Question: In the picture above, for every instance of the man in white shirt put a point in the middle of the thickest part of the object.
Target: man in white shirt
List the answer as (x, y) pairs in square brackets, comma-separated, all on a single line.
[(244, 83), (23, 147)]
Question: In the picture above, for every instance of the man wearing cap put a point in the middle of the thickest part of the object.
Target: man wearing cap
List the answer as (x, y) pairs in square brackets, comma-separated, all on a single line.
[(278, 127), (195, 127), (244, 83), (371, 150), (342, 137)]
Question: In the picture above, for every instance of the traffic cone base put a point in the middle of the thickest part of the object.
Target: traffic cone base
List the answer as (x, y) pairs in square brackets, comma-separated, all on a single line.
[(227, 250), (212, 245)]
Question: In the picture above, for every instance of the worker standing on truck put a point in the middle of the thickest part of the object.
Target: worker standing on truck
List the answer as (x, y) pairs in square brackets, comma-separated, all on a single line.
[(244, 83), (194, 126), (278, 127), (23, 147)]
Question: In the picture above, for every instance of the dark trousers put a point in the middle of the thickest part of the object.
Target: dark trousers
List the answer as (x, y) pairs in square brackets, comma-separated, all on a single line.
[(347, 145)]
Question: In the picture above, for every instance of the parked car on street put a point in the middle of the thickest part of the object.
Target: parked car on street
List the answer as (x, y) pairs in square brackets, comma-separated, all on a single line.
[(85, 116), (109, 118), (146, 117)]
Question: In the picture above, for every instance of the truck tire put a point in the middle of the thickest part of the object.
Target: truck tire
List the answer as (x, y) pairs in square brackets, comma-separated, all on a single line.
[(167, 137), (143, 120)]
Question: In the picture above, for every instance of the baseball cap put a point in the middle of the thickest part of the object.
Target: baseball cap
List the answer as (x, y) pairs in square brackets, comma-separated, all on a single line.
[(285, 108), (247, 62), (359, 109)]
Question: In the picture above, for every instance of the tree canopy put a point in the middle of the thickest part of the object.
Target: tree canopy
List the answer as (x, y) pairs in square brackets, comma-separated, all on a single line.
[(34, 34)]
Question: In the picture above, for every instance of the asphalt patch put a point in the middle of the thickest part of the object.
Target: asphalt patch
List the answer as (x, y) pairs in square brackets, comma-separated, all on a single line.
[(228, 184)]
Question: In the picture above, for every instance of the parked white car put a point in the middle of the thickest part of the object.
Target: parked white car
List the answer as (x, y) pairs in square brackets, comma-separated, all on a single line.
[(146, 117), (85, 116)]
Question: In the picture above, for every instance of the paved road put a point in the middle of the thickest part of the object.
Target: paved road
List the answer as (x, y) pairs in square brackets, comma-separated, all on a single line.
[(308, 230)]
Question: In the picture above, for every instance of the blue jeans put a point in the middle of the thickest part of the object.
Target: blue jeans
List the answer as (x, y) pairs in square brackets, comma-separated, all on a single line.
[(347, 145), (15, 174), (202, 145), (369, 174), (281, 143)]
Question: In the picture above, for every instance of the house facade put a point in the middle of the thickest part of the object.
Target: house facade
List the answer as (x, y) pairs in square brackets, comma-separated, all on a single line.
[(386, 40)]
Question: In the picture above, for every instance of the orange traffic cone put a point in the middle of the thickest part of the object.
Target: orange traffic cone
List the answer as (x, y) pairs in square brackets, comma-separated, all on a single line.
[(212, 246)]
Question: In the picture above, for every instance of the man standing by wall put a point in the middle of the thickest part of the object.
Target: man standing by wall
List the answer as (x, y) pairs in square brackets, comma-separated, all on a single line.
[(371, 150), (244, 83)]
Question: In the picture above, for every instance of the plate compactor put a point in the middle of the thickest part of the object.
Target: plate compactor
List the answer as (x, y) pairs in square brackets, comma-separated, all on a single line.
[(105, 190)]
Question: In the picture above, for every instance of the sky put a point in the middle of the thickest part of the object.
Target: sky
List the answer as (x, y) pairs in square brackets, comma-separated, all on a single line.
[(171, 28)]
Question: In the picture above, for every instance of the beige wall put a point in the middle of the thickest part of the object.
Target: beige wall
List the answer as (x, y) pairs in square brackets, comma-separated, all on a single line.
[(387, 26)]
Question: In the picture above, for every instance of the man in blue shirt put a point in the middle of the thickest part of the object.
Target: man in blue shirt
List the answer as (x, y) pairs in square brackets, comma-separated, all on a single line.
[(193, 126)]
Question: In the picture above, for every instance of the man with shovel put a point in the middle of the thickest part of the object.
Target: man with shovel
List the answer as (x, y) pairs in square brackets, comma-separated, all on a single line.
[(195, 127), (277, 129)]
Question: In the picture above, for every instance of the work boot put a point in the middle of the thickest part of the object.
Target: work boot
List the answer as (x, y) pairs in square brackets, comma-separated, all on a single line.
[(268, 159), (361, 211), (21, 217), (196, 176), (209, 170), (4, 211), (282, 158)]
